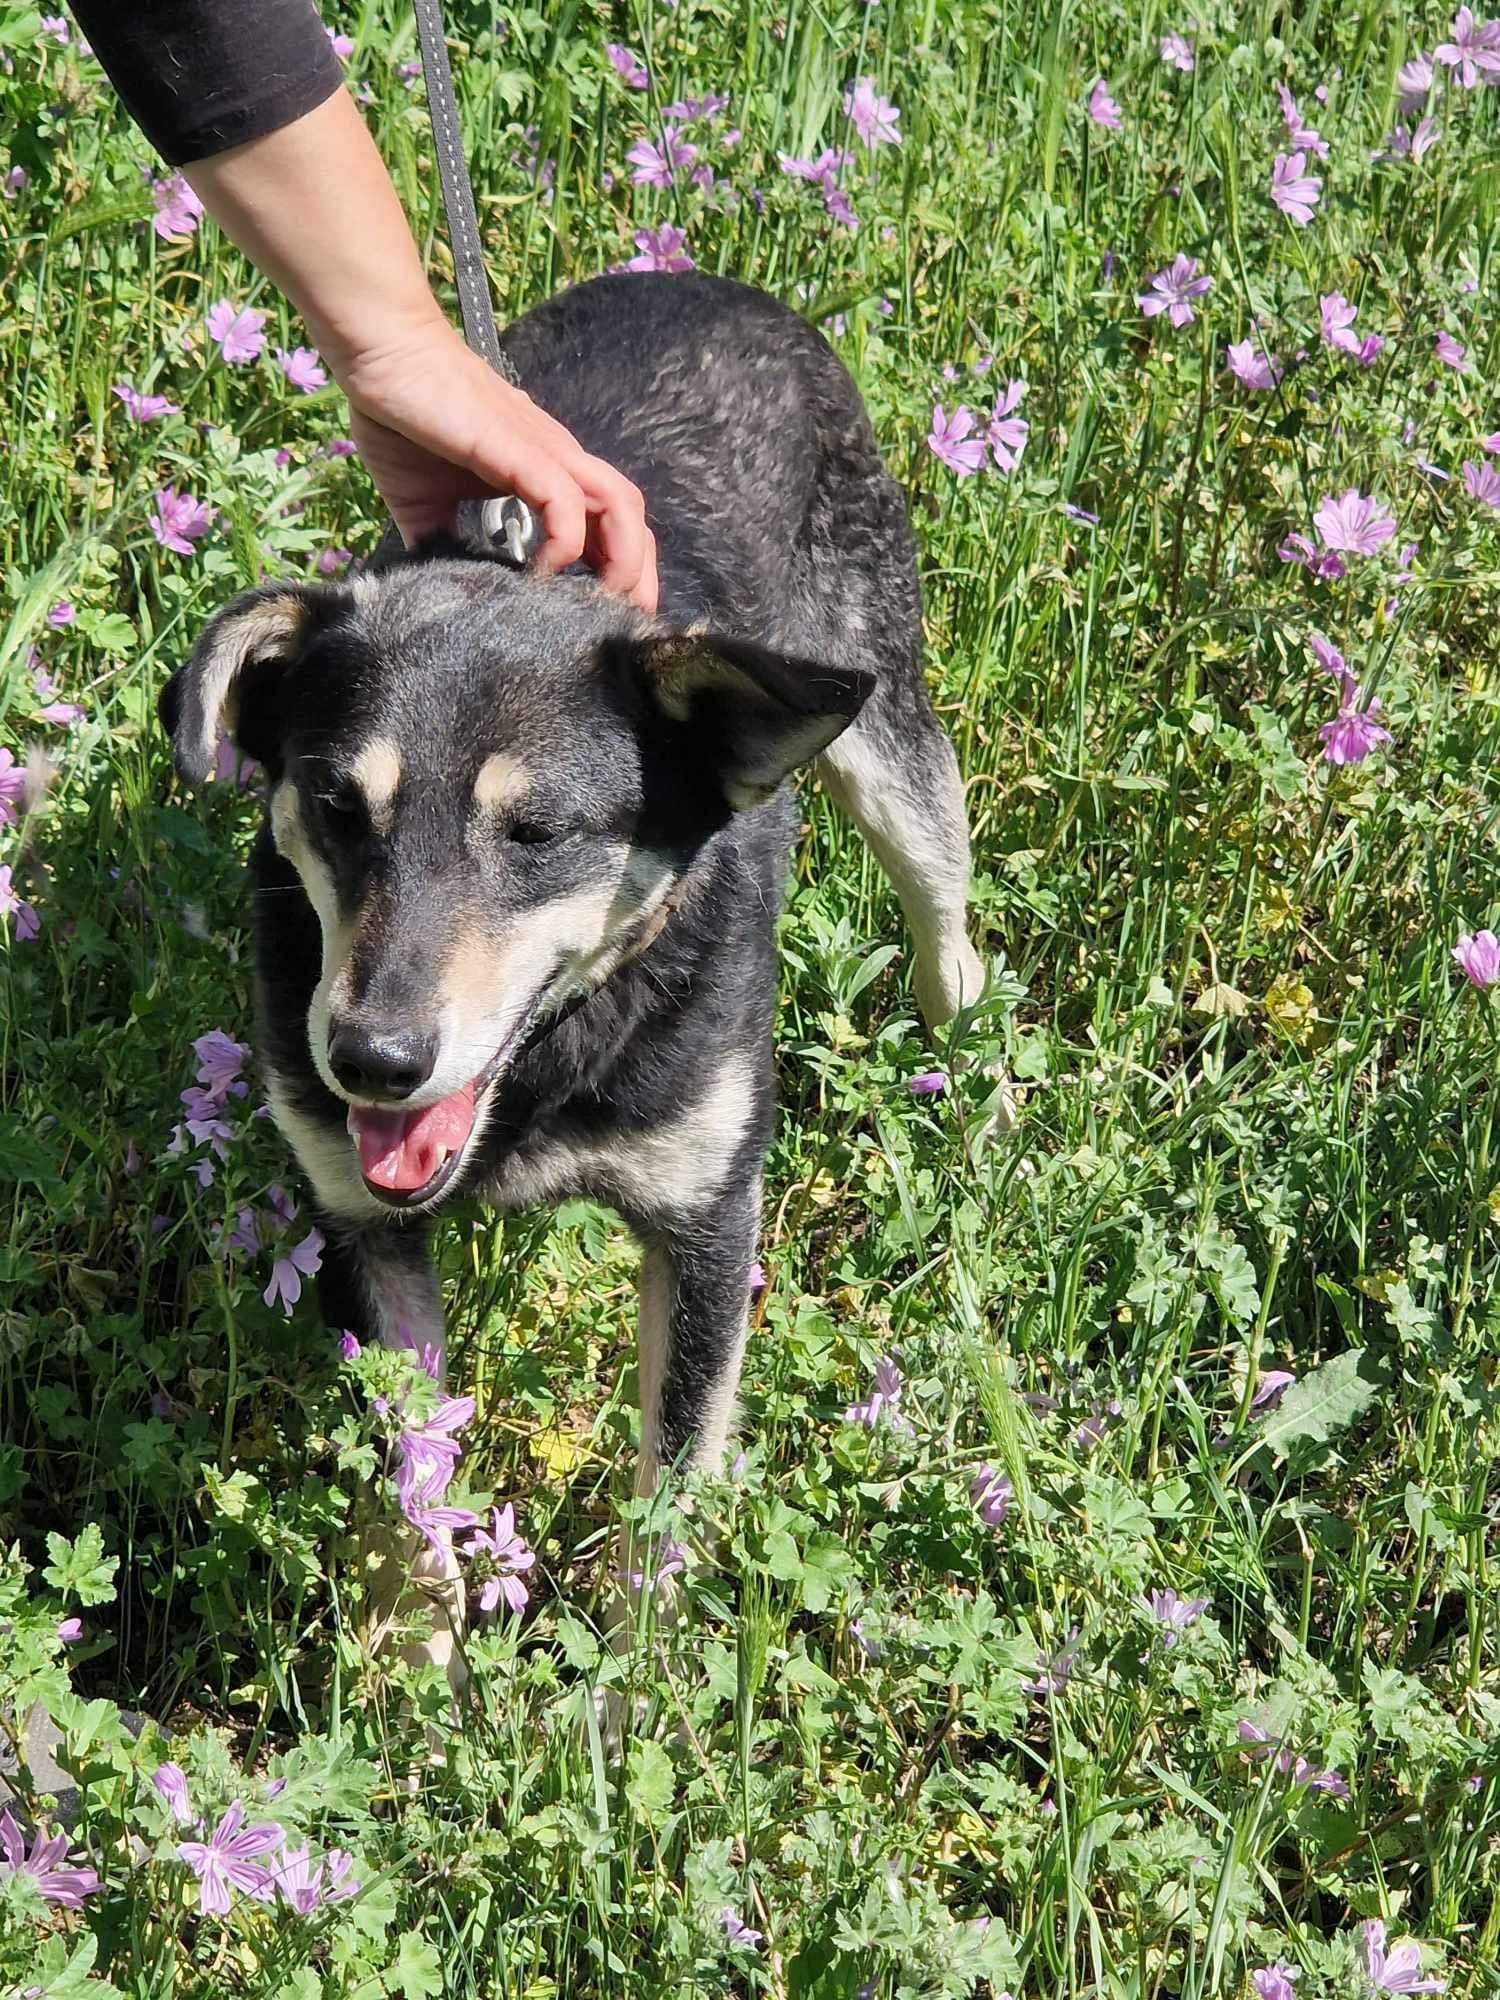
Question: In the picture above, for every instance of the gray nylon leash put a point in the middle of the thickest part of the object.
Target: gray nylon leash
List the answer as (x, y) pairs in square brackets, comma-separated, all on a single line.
[(507, 520)]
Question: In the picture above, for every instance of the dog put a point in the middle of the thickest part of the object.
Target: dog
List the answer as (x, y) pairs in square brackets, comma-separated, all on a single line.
[(516, 889)]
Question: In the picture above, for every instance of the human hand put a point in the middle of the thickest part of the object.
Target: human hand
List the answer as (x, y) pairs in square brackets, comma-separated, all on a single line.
[(435, 425)]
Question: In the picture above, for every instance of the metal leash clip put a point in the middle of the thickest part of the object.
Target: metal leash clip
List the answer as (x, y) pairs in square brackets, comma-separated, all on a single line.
[(510, 524)]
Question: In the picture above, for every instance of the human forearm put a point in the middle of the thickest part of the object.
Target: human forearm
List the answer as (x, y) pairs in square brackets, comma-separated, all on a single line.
[(313, 207)]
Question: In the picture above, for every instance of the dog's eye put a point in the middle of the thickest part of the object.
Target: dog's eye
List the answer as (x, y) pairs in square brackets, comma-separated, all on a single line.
[(531, 833), (343, 801)]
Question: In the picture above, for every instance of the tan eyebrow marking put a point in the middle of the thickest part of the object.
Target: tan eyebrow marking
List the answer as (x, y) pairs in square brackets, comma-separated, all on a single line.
[(377, 772), (503, 781)]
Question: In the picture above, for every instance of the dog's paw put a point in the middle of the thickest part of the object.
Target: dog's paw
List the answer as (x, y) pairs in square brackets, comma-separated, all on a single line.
[(948, 980)]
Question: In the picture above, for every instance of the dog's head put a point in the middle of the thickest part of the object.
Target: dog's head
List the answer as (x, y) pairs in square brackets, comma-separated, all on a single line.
[(488, 783)]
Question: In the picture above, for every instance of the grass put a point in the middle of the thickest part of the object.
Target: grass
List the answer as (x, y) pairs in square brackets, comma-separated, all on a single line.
[(1255, 1126)]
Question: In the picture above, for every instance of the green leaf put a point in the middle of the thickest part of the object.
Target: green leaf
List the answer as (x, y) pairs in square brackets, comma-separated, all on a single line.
[(650, 1780), (23, 1158), (81, 1569), (1322, 1403), (418, 1970), (580, 1647), (826, 1567)]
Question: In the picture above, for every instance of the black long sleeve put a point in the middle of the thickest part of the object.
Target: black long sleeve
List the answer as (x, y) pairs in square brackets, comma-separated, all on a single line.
[(199, 76)]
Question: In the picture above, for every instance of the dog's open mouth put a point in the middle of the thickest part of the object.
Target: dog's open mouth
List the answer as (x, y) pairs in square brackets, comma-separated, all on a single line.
[(408, 1156)]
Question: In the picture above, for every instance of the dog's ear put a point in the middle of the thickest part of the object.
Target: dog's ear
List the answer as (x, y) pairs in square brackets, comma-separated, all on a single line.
[(762, 713), (228, 686)]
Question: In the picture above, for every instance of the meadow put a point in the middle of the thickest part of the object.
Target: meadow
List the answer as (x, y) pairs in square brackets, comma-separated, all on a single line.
[(1101, 1604)]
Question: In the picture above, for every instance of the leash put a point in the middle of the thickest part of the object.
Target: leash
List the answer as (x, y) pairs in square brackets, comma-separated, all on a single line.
[(507, 519)]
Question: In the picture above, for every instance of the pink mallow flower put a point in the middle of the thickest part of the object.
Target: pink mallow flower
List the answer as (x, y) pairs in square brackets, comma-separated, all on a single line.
[(302, 368), (874, 118), (661, 249), (1474, 50), (427, 1452), (1354, 732), (291, 1267), (1302, 138), (991, 1493), (1252, 365), (1102, 108), (951, 440), (1274, 1982), (1295, 191), (1353, 523), (884, 1400), (220, 1060), (1177, 51), (169, 1782), (142, 409), (27, 922), (229, 1859), (1483, 482), (55, 28), (1414, 81), (237, 331), (1450, 353), (58, 1880), (180, 520), (342, 45), (1336, 323), (1477, 956), (1173, 290), (657, 166), (627, 65), (1007, 433), (176, 209), (1398, 1969), (504, 1555), (12, 786), (1174, 1614)]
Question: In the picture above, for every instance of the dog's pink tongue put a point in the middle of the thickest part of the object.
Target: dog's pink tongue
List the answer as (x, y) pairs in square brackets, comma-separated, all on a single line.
[(402, 1150)]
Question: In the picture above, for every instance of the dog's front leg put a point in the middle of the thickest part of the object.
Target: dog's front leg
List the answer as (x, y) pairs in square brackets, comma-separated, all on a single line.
[(378, 1283)]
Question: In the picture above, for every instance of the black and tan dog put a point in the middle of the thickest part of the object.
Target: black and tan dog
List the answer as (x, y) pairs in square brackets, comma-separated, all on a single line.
[(516, 891)]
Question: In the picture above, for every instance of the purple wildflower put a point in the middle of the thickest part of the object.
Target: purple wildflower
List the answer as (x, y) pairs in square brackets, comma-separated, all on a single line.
[(991, 1493), (291, 1267), (951, 441), (169, 1782), (1336, 323), (874, 118), (236, 330), (1414, 80), (1398, 1970), (1302, 138), (1477, 956), (302, 368), (427, 1452), (1483, 482), (349, 1347), (1178, 51), (1080, 514), (1354, 732), (1274, 1982), (143, 409), (505, 1556), (1353, 523), (220, 1060), (626, 64), (839, 206), (1327, 655), (1295, 191), (340, 448), (657, 166), (661, 250), (228, 1859), (55, 28), (1322, 563), (298, 1879), (14, 182), (1252, 365), (1450, 353), (929, 1083), (758, 1280), (1174, 1614), (1173, 290), (1473, 52), (177, 209), (1054, 1672), (331, 561), (737, 1931), (180, 520), (1269, 1390), (27, 922), (1007, 434), (58, 1880), (1102, 108), (70, 1630), (342, 45), (822, 170), (884, 1401), (60, 615), (670, 1560)]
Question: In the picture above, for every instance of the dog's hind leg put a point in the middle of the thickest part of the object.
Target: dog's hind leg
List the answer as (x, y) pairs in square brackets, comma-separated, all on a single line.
[(378, 1282), (895, 774)]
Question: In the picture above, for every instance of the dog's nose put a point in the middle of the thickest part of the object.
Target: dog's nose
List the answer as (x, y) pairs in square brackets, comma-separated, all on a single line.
[(384, 1064)]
